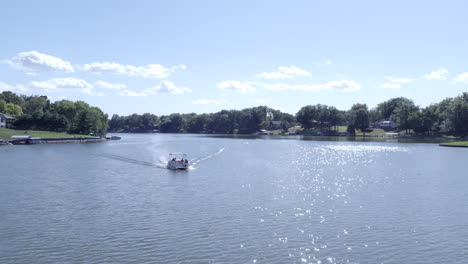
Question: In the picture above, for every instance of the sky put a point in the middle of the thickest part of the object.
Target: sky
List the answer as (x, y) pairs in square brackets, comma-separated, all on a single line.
[(201, 56)]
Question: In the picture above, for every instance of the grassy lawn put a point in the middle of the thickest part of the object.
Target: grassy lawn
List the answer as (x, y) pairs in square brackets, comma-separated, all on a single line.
[(6, 133), (457, 144), (377, 132)]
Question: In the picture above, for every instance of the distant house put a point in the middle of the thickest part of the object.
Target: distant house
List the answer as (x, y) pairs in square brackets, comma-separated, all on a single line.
[(387, 125), (276, 124), (6, 120)]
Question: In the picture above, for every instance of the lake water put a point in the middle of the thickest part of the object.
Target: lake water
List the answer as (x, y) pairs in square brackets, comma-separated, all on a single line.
[(245, 200)]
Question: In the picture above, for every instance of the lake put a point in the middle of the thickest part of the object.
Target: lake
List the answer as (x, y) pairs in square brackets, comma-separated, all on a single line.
[(245, 200)]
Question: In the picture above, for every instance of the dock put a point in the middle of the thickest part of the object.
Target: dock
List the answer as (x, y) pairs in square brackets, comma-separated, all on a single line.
[(28, 140)]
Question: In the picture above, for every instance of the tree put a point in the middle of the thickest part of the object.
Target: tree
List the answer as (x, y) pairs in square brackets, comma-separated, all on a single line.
[(36, 104), (171, 124), (222, 122), (66, 108), (402, 114), (459, 115), (13, 110), (359, 117), (148, 121), (12, 98), (10, 109), (387, 108), (197, 124), (374, 115), (361, 120), (316, 115)]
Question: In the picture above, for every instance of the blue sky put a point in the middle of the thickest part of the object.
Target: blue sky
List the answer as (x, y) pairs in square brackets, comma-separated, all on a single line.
[(203, 56)]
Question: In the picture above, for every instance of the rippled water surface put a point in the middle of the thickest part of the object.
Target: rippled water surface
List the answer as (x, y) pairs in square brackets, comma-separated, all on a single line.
[(243, 201)]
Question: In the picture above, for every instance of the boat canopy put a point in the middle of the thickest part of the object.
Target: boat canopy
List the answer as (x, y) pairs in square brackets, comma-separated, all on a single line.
[(20, 137), (177, 153)]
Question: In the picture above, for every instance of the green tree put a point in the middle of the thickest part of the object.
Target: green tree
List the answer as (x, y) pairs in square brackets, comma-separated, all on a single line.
[(13, 110), (402, 114), (172, 123), (387, 108), (12, 98), (36, 104), (458, 116), (10, 109), (359, 115)]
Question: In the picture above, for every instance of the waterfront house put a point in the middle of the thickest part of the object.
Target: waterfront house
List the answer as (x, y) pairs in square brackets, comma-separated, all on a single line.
[(276, 125), (387, 125), (6, 120)]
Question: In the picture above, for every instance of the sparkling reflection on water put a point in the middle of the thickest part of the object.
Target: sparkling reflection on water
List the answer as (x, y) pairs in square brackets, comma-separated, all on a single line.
[(245, 201)]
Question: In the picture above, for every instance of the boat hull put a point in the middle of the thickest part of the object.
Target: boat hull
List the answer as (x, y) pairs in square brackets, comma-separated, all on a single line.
[(176, 165)]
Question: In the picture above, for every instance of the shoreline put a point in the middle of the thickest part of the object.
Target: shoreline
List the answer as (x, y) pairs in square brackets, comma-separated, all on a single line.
[(400, 139)]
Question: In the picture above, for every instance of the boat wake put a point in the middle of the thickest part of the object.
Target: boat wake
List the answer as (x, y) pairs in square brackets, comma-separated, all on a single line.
[(129, 160), (195, 162), (162, 163)]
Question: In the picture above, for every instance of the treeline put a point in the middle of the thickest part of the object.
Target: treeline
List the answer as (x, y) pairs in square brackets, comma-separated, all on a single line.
[(449, 116), (37, 113), (244, 121)]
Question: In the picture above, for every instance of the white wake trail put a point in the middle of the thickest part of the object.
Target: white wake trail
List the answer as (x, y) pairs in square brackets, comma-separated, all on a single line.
[(194, 162)]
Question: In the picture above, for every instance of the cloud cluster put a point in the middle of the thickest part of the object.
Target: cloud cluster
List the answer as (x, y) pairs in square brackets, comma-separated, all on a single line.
[(285, 72), (250, 87), (165, 87), (13, 88), (111, 86), (399, 80), (463, 78), (168, 88), (342, 85), (64, 84), (242, 87), (440, 74), (34, 62), (149, 71)]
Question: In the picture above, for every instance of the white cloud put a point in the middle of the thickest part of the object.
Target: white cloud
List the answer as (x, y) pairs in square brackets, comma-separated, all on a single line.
[(328, 62), (105, 67), (391, 86), (342, 85), (148, 71), (209, 101), (440, 74), (259, 100), (167, 87), (34, 62), (131, 93), (399, 80), (64, 84), (57, 98), (164, 87), (463, 78), (242, 87), (285, 73), (13, 88), (112, 86)]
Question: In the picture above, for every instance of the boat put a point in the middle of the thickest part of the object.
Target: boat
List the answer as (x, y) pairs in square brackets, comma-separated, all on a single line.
[(113, 138), (178, 161)]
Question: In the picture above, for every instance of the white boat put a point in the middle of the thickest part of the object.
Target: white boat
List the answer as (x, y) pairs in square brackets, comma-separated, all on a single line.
[(178, 161)]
